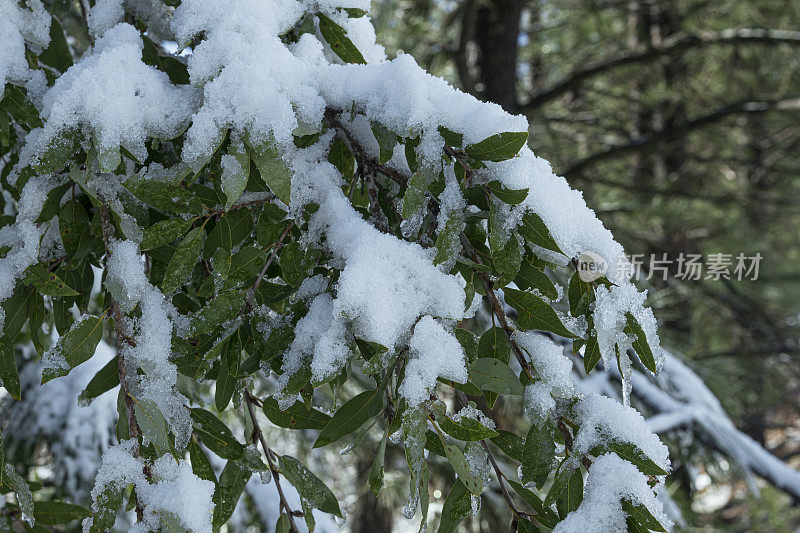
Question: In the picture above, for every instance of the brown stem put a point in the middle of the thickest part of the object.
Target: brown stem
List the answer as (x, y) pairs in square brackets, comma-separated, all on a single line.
[(251, 293), (122, 339), (258, 436), (250, 203), (497, 308)]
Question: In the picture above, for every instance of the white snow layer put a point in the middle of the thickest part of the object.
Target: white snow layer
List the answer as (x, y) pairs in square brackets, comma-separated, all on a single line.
[(611, 480), (175, 488), (19, 25)]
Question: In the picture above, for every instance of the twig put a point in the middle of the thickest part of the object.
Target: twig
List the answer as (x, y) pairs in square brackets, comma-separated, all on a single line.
[(251, 293), (497, 309), (250, 203), (258, 436)]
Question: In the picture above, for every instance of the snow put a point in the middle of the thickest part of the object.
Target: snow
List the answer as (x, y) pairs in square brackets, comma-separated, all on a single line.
[(553, 368), (175, 488), (241, 50), (23, 236), (152, 333), (104, 15), (115, 97), (611, 480), (474, 414), (610, 318), (603, 419), (18, 25), (435, 352)]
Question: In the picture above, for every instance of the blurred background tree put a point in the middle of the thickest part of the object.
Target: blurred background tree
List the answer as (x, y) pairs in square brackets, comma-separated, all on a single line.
[(680, 121)]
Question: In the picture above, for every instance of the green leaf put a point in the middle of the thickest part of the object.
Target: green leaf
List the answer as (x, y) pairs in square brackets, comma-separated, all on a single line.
[(216, 435), (640, 345), (387, 140), (461, 467), (634, 455), (507, 261), (494, 343), (227, 377), (526, 526), (591, 354), (534, 230), (273, 169), (51, 513), (235, 172), (268, 230), (351, 416), (292, 261), (451, 138), (57, 54), (543, 514), (15, 101), (108, 158), (75, 347), (201, 466), (16, 309), (560, 482), (270, 293), (467, 429), (231, 484), (505, 195), (456, 508), (448, 239), (218, 311), (498, 147), (311, 489), (337, 38), (106, 379), (230, 230), (164, 196), (283, 525), (245, 265), (342, 158), (642, 515), (72, 221), (183, 261), (152, 424), (20, 486), (535, 313), (538, 455), (496, 376), (376, 471), (581, 295), (46, 282), (467, 388), (468, 341), (512, 444), (164, 232), (531, 277), (9, 376), (572, 496), (298, 416), (416, 192), (53, 202)]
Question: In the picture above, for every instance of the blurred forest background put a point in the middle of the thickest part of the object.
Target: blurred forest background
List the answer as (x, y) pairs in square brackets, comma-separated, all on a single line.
[(680, 121)]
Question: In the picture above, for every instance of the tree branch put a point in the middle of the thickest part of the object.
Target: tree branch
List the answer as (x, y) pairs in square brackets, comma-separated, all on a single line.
[(122, 339), (638, 143), (258, 436), (678, 43)]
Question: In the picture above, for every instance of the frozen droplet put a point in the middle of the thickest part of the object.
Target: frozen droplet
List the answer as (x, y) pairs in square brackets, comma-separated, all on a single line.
[(340, 520), (475, 503), (266, 476)]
